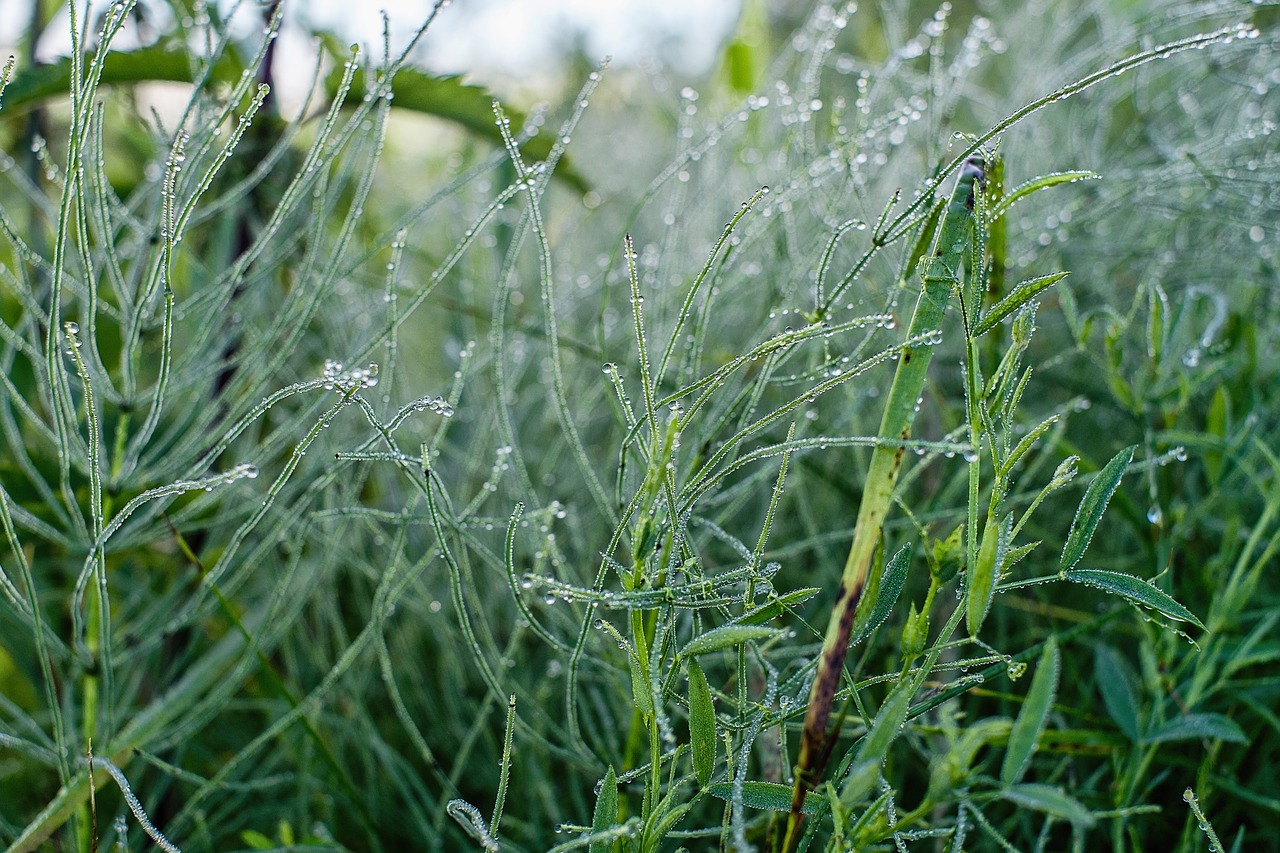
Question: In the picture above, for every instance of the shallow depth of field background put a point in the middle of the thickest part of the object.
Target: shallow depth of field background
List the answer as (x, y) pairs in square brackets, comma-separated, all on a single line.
[(321, 654)]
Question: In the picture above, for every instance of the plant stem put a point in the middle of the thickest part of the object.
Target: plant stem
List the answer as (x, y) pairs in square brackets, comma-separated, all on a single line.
[(940, 271)]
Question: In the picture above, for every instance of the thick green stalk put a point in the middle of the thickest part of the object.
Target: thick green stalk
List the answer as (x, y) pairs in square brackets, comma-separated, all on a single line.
[(939, 272)]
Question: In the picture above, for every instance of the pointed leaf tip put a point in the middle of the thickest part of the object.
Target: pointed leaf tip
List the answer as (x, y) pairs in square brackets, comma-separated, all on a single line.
[(1093, 505), (1135, 590)]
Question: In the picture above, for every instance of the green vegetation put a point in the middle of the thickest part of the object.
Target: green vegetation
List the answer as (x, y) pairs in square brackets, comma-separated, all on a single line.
[(869, 450)]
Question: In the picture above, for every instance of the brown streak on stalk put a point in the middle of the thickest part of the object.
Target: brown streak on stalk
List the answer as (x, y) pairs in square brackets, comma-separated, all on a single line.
[(947, 248), (816, 741), (898, 454)]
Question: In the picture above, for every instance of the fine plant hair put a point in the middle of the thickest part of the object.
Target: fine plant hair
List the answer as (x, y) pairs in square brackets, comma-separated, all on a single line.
[(870, 453)]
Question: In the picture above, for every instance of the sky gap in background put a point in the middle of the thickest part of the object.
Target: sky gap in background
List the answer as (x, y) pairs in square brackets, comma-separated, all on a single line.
[(489, 39)]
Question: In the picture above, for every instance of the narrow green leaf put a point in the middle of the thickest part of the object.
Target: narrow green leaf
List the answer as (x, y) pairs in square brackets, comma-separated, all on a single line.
[(1216, 420), (1037, 184), (885, 728), (777, 607), (867, 824), (891, 583), (997, 230), (606, 812), (1035, 712), (982, 577), (256, 840), (1157, 326), (1118, 685), (1019, 296), (1050, 800), (725, 636), (888, 720), (640, 685), (1136, 590), (1024, 446), (1014, 555), (663, 822), (859, 782), (1093, 505), (1196, 727), (702, 723), (768, 796)]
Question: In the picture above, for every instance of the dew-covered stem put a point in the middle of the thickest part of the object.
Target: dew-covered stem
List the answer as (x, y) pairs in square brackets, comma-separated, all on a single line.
[(940, 272)]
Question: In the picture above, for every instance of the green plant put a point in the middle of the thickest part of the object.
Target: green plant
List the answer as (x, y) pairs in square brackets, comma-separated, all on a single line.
[(553, 573)]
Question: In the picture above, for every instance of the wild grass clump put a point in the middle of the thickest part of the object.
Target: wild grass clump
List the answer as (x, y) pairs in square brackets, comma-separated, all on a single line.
[(894, 467)]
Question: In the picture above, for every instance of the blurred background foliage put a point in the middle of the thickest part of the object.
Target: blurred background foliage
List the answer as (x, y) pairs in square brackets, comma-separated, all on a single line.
[(1163, 336)]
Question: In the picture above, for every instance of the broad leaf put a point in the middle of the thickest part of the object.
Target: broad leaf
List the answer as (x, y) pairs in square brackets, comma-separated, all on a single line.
[(446, 97), (746, 57)]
